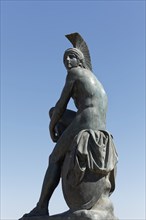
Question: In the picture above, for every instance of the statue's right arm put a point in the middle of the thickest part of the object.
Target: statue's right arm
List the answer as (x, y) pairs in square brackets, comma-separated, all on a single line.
[(61, 105)]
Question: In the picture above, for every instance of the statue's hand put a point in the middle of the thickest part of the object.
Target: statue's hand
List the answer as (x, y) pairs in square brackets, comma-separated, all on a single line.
[(53, 134)]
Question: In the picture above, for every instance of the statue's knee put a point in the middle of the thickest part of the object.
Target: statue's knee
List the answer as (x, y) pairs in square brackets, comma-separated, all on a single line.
[(51, 111)]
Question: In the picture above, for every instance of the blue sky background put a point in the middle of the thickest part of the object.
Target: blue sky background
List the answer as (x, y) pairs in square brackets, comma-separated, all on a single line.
[(33, 75)]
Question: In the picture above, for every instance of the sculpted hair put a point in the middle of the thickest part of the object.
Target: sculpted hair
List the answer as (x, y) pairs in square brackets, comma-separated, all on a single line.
[(80, 47)]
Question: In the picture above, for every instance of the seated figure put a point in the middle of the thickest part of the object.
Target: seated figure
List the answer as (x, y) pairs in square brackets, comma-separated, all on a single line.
[(84, 155)]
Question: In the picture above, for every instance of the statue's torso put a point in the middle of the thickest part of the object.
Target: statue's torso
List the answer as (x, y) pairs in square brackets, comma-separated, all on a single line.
[(90, 98)]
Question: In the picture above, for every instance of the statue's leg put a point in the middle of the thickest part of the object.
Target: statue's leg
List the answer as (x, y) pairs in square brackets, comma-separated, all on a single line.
[(50, 182), (53, 172), (56, 159), (64, 122)]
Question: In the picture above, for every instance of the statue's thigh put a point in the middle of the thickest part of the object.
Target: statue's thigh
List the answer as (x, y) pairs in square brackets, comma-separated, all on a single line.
[(65, 142)]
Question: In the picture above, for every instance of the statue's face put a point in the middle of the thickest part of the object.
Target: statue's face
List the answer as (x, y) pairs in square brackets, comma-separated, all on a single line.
[(71, 60)]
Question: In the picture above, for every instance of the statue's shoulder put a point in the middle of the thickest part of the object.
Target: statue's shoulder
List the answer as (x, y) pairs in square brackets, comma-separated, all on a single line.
[(75, 73), (78, 73)]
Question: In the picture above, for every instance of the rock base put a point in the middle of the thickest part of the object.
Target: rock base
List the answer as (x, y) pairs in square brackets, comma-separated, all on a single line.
[(102, 210), (77, 215)]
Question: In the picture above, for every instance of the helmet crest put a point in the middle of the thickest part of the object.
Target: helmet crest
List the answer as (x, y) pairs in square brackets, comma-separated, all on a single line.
[(79, 43)]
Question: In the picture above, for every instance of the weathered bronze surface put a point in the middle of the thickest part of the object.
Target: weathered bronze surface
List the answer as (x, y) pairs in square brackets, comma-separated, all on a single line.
[(84, 155)]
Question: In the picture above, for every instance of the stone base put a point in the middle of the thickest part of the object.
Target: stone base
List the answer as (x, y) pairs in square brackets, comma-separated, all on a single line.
[(102, 210), (78, 215)]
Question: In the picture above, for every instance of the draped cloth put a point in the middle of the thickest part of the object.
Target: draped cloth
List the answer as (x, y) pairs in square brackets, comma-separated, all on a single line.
[(95, 151), (89, 169)]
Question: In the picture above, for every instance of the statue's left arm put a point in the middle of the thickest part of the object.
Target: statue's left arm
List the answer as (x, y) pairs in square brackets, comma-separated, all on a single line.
[(61, 105)]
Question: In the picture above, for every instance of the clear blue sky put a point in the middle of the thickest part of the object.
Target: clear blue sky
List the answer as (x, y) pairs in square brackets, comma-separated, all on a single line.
[(33, 75)]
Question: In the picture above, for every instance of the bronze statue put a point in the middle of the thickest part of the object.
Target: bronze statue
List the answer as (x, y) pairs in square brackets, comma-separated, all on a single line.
[(84, 154)]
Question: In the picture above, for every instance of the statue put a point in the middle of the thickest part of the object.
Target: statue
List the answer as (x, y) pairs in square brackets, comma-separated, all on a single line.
[(84, 155)]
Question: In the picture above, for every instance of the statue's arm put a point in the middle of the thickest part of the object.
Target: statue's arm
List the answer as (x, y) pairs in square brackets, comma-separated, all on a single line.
[(61, 105)]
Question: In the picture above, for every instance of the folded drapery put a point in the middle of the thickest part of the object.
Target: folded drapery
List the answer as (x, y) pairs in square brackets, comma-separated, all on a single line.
[(95, 151), (89, 169)]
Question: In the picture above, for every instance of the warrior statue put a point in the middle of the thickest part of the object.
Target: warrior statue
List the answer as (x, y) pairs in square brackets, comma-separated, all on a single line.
[(84, 155)]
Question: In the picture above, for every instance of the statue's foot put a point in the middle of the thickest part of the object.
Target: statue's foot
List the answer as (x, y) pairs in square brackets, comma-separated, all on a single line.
[(36, 212)]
